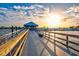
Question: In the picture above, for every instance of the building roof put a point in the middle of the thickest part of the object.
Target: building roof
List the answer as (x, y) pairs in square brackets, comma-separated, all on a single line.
[(30, 24)]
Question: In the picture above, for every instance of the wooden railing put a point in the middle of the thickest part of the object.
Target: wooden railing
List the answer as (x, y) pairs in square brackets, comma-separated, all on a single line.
[(6, 37), (15, 45), (75, 51)]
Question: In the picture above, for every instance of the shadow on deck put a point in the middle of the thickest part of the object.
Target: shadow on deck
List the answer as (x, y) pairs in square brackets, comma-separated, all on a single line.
[(34, 46), (37, 46)]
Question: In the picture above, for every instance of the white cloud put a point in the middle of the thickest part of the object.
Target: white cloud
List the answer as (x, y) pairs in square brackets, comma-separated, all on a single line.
[(23, 7), (1, 8), (73, 11), (20, 14)]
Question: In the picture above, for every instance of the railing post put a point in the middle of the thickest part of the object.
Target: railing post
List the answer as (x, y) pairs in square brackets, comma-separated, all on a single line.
[(16, 30), (45, 34), (12, 30), (49, 35), (54, 45), (67, 43)]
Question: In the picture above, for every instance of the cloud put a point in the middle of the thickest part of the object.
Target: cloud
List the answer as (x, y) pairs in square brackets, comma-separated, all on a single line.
[(21, 14), (72, 11), (22, 7), (10, 17), (27, 7), (2, 8), (35, 9)]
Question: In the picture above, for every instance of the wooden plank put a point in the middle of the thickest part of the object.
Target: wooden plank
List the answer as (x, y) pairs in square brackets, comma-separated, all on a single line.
[(7, 47)]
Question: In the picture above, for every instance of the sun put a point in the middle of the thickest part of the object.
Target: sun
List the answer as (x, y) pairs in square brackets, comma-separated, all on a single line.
[(54, 20)]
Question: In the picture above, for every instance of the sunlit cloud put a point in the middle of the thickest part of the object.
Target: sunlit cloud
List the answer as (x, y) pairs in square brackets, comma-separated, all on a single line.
[(20, 14), (73, 11)]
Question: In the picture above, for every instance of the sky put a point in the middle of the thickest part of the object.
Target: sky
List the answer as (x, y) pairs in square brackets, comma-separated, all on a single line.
[(43, 14)]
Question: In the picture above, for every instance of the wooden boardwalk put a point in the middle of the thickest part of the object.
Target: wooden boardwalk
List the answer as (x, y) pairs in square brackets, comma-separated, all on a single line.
[(33, 45), (28, 43), (36, 46)]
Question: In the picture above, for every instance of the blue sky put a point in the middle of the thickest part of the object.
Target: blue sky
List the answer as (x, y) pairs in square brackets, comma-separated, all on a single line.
[(19, 13), (8, 5), (58, 5)]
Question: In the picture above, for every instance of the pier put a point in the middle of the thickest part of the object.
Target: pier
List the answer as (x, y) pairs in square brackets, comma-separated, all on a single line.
[(28, 43)]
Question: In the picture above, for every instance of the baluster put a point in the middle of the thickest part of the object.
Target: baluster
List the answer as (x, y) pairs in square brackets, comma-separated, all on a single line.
[(67, 43), (45, 34), (54, 44), (12, 31), (49, 35)]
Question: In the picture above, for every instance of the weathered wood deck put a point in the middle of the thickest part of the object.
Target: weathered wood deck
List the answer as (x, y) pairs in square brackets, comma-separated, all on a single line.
[(30, 44), (33, 45), (36, 46)]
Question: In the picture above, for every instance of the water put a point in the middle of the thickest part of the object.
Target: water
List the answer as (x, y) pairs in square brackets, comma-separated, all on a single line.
[(4, 31)]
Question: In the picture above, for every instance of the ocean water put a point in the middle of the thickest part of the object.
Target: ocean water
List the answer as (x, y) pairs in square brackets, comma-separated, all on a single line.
[(4, 31)]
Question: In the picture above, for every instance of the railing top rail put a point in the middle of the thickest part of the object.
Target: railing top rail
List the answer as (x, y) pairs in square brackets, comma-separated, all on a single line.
[(66, 40), (9, 33), (8, 46), (77, 36)]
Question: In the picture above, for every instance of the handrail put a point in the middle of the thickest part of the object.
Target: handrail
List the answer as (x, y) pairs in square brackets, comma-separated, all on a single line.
[(8, 36), (21, 46), (10, 33), (77, 36), (66, 39), (8, 46)]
